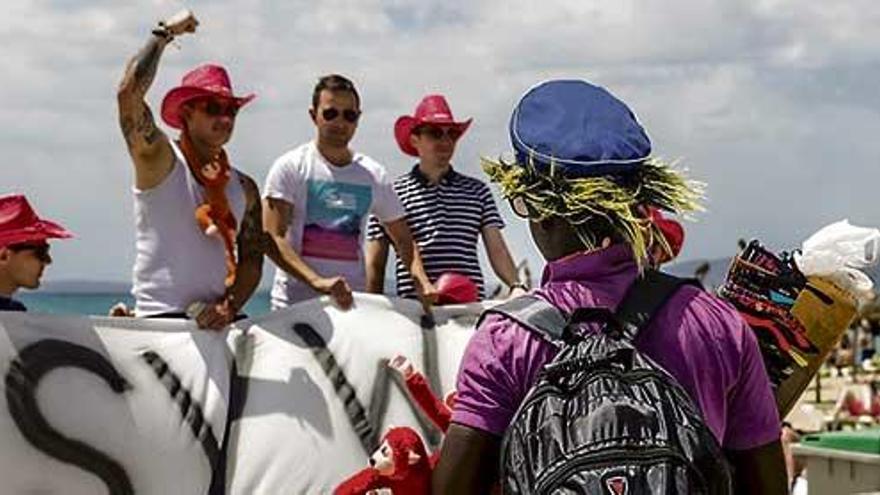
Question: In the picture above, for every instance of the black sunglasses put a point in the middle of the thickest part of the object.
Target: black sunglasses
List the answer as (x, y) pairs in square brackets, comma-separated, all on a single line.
[(437, 133), (348, 114), (41, 251), (216, 108)]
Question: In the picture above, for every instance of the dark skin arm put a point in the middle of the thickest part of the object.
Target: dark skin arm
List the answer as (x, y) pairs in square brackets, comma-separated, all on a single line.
[(759, 471), (251, 243), (468, 462)]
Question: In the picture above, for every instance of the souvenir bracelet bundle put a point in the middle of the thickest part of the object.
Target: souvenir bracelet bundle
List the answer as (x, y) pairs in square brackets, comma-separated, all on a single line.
[(797, 319)]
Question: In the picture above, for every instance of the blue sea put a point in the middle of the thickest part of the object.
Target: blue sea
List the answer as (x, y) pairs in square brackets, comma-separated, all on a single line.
[(100, 303)]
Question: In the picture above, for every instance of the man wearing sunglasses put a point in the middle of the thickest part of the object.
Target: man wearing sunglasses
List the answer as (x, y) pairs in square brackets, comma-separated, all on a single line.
[(446, 210), (24, 252), (199, 237), (317, 200)]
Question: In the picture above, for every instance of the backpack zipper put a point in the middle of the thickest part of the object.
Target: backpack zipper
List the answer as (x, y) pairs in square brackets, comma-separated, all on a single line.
[(619, 456), (636, 376)]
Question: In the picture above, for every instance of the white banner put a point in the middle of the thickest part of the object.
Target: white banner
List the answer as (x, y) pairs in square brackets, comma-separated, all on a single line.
[(99, 405), (116, 405)]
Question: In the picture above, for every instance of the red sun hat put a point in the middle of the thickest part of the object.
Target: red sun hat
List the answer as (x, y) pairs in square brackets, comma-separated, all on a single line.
[(19, 223), (432, 110), (204, 80), (455, 288), (672, 231)]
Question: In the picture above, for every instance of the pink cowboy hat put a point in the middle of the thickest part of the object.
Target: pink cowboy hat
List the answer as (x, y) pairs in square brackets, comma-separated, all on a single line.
[(204, 80), (432, 110), (19, 223)]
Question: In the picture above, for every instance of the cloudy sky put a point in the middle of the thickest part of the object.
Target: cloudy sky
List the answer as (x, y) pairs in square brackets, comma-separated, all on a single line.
[(774, 103)]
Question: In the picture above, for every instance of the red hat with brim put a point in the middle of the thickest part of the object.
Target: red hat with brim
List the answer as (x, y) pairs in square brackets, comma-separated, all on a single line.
[(19, 223), (207, 80), (432, 110)]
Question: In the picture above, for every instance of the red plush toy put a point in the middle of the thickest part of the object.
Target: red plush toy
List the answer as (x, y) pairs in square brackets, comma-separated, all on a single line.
[(400, 464), (440, 412), (214, 217)]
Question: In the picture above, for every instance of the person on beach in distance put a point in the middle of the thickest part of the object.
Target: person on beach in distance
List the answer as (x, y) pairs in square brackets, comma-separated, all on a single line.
[(581, 174), (317, 200), (24, 252), (446, 210), (198, 220)]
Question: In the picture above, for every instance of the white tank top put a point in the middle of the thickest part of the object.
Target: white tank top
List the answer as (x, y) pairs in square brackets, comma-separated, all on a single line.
[(176, 264)]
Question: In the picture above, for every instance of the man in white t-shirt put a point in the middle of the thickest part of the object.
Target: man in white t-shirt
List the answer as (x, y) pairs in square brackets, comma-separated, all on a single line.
[(317, 199)]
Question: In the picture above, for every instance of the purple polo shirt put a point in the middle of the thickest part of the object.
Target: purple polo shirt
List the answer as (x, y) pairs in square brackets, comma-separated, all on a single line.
[(696, 337)]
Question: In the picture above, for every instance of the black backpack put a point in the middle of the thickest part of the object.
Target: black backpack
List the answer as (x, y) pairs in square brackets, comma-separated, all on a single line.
[(602, 418)]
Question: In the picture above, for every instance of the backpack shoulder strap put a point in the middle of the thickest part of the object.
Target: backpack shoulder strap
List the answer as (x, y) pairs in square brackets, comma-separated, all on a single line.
[(645, 297), (535, 314)]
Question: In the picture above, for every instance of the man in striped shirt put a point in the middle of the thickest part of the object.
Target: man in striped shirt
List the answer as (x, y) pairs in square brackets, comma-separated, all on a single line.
[(446, 211)]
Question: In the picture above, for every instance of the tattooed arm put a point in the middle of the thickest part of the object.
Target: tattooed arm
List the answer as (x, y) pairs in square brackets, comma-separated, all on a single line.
[(147, 145), (251, 245)]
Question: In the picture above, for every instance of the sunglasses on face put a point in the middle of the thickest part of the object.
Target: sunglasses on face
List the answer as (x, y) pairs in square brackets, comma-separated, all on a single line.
[(330, 114), (437, 133), (216, 108), (41, 251)]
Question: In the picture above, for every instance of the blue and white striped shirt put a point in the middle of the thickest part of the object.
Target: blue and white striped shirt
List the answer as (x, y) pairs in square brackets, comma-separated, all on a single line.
[(446, 220)]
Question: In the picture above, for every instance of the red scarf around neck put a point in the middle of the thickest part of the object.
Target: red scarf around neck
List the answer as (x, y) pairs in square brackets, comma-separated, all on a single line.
[(214, 216)]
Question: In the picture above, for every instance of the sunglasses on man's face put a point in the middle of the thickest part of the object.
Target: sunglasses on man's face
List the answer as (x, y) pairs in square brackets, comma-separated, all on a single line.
[(437, 133), (41, 251), (330, 114), (215, 108)]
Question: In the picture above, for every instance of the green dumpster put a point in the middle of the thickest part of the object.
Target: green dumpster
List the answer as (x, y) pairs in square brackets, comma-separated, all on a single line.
[(841, 462)]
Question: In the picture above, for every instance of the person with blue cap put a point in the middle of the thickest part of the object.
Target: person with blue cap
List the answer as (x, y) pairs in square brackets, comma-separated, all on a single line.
[(584, 178)]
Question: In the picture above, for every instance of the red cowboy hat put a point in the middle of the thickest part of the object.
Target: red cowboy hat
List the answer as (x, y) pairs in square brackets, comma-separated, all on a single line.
[(204, 80), (19, 223), (672, 232), (455, 288), (433, 110)]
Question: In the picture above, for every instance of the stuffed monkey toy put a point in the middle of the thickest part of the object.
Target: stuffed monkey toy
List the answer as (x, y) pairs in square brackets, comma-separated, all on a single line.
[(400, 465), (439, 412), (214, 217)]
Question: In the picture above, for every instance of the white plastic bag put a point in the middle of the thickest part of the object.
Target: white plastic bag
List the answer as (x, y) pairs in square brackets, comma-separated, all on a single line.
[(838, 252)]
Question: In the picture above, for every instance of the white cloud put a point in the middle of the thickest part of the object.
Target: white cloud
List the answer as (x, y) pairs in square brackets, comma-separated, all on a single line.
[(770, 101)]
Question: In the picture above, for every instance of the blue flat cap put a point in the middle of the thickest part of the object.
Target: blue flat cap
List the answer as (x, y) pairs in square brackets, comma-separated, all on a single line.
[(582, 129)]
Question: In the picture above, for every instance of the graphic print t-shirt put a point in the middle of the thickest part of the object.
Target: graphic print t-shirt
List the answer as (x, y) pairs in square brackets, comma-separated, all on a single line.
[(334, 211), (331, 205)]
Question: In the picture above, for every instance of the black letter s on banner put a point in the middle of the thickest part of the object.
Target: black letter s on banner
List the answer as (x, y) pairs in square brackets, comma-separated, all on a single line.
[(25, 373)]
